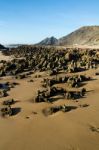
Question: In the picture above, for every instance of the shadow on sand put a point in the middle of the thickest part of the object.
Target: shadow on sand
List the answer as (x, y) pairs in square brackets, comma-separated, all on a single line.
[(16, 110)]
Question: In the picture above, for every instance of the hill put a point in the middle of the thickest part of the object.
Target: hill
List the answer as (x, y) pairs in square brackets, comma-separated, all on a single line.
[(88, 35), (49, 41)]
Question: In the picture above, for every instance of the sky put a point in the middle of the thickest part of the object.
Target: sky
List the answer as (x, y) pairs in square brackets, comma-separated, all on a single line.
[(30, 21)]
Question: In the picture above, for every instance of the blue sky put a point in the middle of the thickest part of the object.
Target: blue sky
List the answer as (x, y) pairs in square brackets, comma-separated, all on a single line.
[(29, 21)]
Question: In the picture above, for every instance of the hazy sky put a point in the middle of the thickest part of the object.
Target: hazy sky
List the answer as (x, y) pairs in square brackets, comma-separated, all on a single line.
[(29, 21)]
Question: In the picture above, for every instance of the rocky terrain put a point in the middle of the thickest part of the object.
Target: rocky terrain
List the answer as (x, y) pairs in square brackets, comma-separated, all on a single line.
[(49, 98)]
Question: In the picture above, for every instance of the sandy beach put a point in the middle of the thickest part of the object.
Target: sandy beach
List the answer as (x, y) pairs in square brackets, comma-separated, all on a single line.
[(65, 131)]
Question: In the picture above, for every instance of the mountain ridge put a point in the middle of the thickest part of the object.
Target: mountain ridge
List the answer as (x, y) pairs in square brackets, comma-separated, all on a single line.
[(48, 41), (86, 35)]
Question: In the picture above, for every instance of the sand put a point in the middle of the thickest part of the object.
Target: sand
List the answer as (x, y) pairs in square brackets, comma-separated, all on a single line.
[(60, 131)]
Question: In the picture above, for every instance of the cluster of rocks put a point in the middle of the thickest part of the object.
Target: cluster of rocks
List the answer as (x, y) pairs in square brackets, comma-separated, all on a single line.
[(76, 80), (51, 90), (54, 109), (73, 80), (75, 94), (48, 58), (50, 82), (63, 108), (6, 109), (3, 93), (46, 95), (8, 102)]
